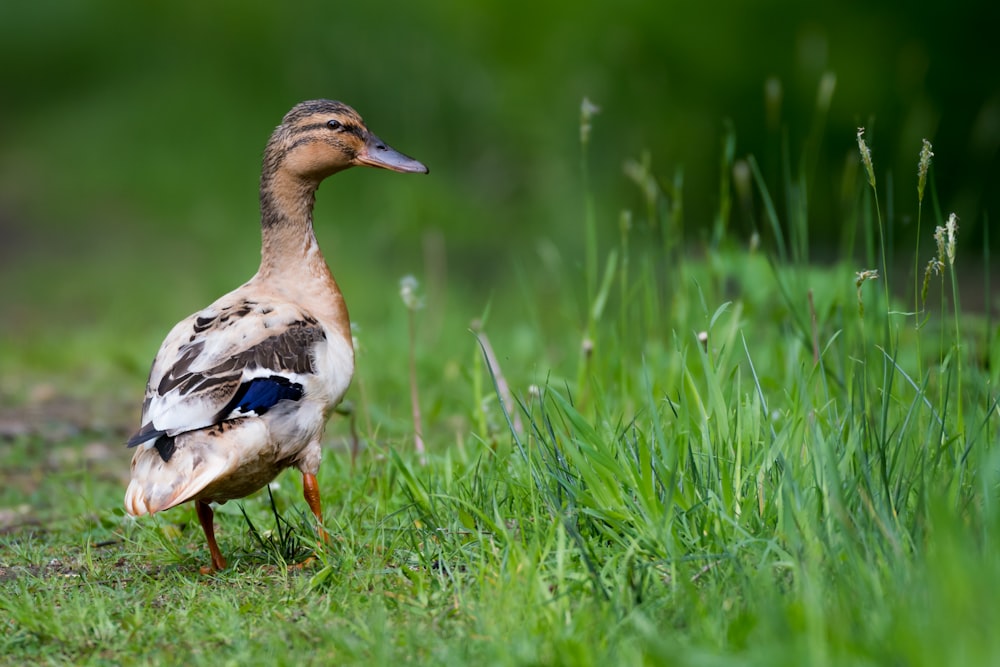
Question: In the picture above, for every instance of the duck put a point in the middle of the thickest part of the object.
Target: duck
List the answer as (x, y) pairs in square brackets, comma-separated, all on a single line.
[(242, 389)]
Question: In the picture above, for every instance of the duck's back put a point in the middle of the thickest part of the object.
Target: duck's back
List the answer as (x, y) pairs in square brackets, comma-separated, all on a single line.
[(237, 392)]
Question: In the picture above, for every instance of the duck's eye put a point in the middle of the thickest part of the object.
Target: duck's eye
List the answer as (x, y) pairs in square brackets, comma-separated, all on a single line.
[(334, 124)]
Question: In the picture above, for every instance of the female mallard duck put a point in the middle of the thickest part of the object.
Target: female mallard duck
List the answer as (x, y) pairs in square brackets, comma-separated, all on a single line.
[(242, 389)]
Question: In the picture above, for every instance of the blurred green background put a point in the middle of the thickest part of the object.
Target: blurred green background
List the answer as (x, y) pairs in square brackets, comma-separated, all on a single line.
[(132, 133)]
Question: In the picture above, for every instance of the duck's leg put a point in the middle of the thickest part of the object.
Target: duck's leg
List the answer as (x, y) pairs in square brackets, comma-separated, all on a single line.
[(206, 516), (310, 489)]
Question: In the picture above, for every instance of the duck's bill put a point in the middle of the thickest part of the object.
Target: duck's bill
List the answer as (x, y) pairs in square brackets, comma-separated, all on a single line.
[(377, 153)]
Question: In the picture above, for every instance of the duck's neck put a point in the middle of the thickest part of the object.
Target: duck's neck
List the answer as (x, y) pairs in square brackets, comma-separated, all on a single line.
[(288, 243)]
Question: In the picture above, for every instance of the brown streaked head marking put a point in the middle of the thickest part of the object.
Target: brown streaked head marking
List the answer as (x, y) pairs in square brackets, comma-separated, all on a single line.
[(318, 138)]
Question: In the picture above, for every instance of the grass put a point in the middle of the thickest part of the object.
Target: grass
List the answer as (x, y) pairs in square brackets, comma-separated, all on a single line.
[(707, 456)]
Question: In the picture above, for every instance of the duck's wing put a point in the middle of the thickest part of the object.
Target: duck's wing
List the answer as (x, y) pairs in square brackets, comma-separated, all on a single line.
[(237, 357)]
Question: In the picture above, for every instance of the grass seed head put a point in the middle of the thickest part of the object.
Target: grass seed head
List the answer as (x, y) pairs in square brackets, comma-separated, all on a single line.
[(939, 240), (773, 95), (866, 156), (742, 180), (861, 278), (951, 232), (925, 163), (945, 238), (640, 172), (587, 111), (934, 268), (824, 95), (408, 286)]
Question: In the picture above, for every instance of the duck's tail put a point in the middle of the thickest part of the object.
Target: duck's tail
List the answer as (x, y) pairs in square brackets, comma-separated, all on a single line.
[(199, 465)]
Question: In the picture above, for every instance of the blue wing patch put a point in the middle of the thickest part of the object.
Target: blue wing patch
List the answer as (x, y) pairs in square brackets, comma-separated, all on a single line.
[(260, 395), (252, 398)]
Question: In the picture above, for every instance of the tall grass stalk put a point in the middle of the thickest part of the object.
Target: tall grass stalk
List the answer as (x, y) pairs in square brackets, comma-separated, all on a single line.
[(771, 214), (408, 287), (587, 112), (951, 234), (624, 231), (987, 286), (923, 168), (596, 295), (728, 155), (866, 160)]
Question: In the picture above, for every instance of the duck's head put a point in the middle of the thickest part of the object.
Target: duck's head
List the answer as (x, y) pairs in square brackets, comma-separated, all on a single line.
[(321, 137)]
